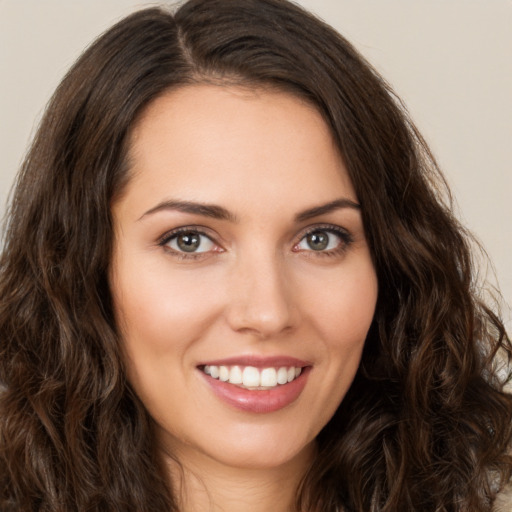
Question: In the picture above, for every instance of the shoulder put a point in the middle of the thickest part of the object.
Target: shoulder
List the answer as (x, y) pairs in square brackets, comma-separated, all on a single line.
[(503, 501)]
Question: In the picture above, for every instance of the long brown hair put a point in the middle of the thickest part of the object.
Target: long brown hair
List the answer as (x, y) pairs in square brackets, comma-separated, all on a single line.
[(426, 424)]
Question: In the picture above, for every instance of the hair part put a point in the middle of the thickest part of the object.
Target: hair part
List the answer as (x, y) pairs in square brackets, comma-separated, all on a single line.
[(426, 424)]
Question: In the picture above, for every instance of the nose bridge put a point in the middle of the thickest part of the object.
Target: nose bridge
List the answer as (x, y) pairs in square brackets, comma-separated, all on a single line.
[(261, 299)]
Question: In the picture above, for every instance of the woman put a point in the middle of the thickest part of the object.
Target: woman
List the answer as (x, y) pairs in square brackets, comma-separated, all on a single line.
[(230, 282)]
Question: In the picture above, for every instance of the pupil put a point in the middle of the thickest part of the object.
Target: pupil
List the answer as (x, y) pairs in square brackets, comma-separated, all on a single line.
[(318, 241), (189, 242)]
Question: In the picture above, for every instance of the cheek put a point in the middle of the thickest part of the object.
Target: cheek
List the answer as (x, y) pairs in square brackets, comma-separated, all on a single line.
[(340, 314), (342, 309), (160, 307)]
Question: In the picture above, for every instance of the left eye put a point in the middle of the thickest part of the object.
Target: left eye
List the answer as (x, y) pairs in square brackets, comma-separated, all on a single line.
[(190, 242), (320, 240)]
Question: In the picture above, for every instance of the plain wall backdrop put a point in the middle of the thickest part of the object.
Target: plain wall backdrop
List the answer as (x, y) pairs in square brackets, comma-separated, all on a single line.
[(449, 60)]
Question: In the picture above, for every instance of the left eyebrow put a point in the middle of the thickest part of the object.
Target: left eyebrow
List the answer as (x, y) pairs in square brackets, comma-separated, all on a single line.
[(337, 204)]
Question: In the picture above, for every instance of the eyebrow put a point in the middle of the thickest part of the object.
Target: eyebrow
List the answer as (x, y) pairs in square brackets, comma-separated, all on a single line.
[(220, 213), (316, 211), (206, 210)]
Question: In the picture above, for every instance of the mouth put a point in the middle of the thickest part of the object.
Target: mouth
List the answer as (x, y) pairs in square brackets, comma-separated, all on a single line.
[(251, 377), (257, 385)]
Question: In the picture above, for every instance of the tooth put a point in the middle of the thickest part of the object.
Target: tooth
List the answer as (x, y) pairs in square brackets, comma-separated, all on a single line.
[(223, 373), (235, 375), (269, 377), (251, 377), (282, 375)]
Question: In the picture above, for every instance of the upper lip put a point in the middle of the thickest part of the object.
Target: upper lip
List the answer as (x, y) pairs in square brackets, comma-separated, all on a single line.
[(258, 361)]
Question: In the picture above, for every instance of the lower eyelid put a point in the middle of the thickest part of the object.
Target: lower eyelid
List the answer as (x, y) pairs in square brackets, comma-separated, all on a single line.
[(174, 238)]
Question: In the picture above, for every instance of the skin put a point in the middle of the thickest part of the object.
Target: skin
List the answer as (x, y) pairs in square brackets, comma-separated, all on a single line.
[(255, 288)]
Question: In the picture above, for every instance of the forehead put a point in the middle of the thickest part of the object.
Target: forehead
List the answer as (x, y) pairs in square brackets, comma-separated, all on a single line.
[(208, 142)]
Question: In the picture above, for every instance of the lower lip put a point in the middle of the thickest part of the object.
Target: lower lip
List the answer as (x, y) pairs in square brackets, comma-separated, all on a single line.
[(259, 400)]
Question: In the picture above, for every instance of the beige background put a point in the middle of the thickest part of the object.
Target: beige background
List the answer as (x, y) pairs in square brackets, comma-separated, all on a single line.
[(450, 60)]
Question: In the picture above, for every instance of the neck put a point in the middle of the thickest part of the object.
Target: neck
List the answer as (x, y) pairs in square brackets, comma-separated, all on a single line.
[(204, 485)]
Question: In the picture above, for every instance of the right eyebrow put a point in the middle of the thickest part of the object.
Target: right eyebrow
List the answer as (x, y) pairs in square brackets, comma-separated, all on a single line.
[(206, 210)]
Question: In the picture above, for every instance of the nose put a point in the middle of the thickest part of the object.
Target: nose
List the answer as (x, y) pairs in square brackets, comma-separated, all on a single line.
[(261, 299)]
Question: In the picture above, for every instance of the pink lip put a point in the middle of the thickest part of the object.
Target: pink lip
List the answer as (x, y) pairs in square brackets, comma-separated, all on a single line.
[(259, 401)]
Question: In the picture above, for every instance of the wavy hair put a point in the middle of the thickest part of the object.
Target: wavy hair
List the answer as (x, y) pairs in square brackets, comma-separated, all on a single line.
[(426, 424)]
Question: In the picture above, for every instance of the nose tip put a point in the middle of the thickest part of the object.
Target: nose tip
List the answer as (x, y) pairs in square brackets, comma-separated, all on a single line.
[(261, 303)]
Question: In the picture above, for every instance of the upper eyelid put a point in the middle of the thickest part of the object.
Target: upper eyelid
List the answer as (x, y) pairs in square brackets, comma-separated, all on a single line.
[(345, 236), (325, 227), (203, 230), (168, 235)]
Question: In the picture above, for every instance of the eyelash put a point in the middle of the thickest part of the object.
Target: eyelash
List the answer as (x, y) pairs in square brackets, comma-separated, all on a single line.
[(170, 235), (345, 237)]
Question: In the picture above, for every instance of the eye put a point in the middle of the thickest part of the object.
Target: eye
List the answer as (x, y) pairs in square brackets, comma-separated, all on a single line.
[(324, 240), (188, 242)]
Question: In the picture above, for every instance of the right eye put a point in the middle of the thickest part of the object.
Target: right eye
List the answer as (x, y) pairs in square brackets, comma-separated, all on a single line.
[(189, 242)]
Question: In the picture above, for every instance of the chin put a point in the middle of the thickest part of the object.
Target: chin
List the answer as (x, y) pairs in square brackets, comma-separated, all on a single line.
[(248, 447), (259, 457)]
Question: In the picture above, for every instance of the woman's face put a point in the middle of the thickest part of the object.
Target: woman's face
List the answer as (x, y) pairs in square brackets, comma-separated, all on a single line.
[(242, 281)]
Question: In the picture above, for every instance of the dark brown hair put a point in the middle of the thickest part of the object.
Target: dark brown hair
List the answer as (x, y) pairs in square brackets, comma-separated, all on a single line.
[(426, 424)]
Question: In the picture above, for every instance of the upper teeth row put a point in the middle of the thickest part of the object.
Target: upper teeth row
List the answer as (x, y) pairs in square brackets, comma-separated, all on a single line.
[(252, 377)]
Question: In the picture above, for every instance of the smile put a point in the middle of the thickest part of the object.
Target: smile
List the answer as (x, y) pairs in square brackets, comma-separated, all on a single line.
[(250, 377)]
